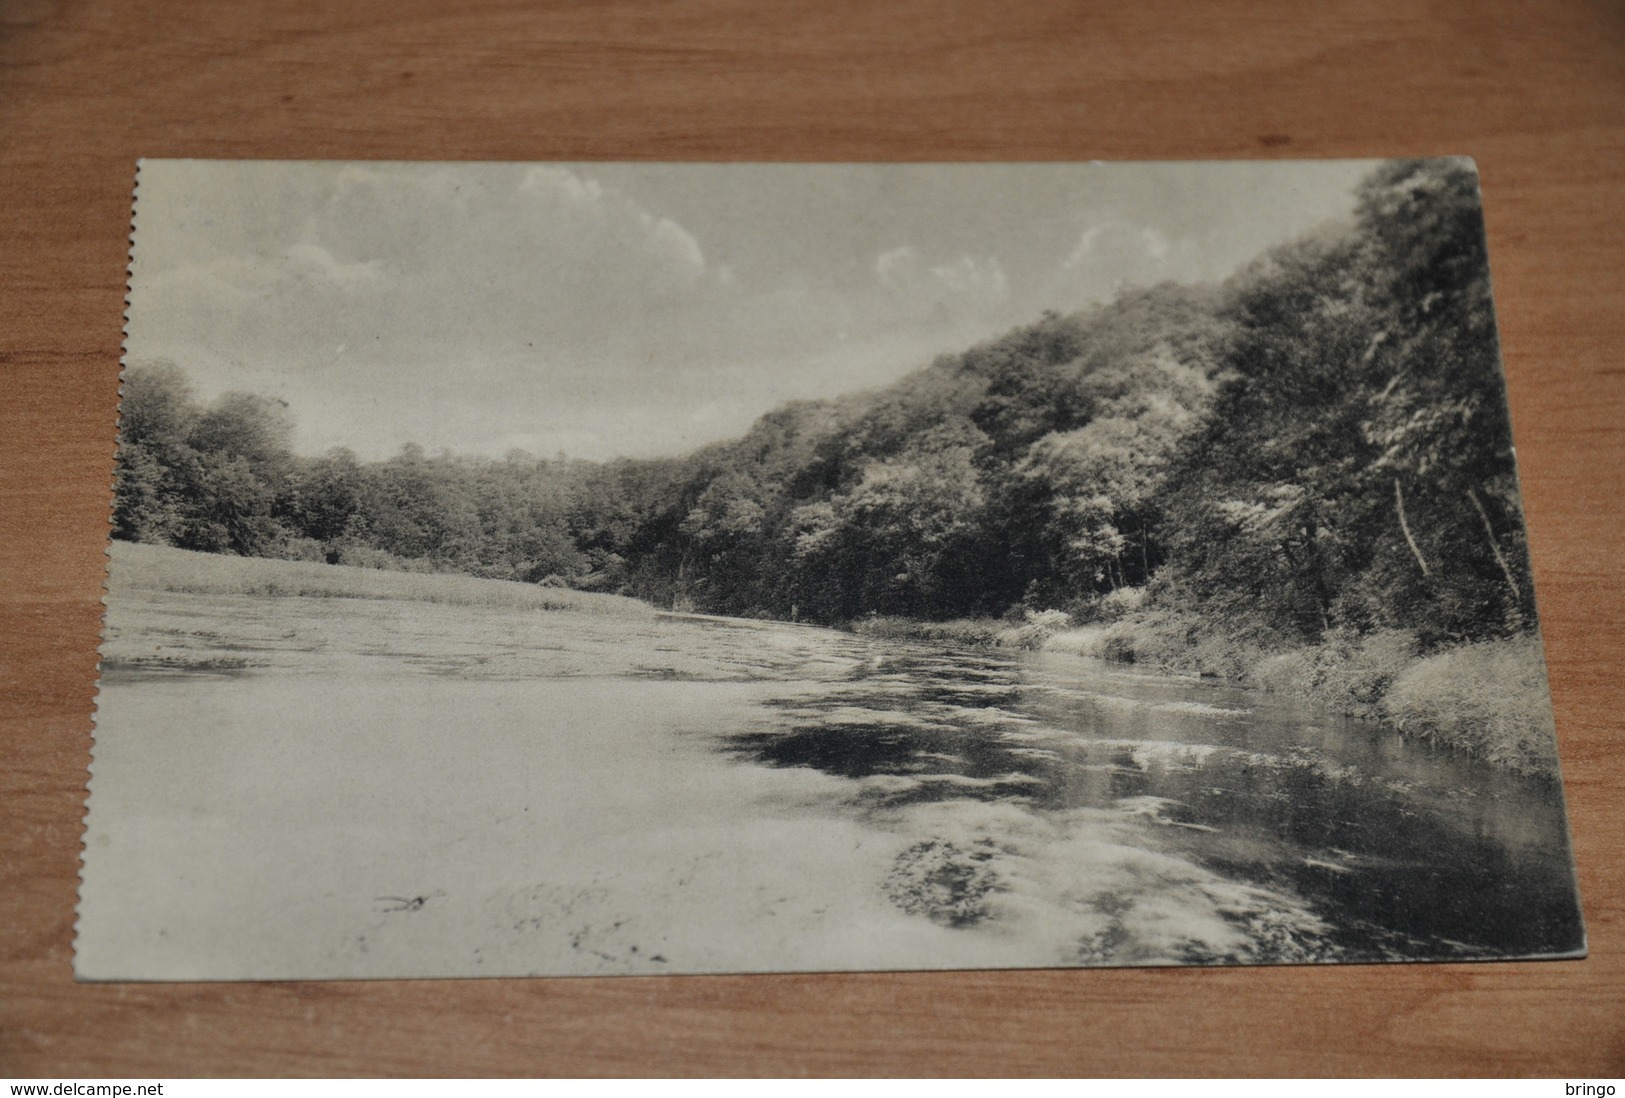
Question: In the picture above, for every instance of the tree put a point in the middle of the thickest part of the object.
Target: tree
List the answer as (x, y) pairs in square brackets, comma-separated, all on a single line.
[(1320, 444), (1439, 419), (1100, 480), (903, 523), (325, 499), (156, 415)]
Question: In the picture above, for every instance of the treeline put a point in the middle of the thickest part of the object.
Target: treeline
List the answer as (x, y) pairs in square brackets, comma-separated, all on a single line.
[(1318, 445), (223, 479)]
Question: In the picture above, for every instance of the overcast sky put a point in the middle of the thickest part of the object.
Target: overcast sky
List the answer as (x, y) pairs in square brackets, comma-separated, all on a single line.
[(645, 309)]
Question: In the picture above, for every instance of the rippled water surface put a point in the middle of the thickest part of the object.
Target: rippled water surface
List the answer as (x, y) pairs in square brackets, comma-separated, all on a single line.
[(1396, 850), (395, 788)]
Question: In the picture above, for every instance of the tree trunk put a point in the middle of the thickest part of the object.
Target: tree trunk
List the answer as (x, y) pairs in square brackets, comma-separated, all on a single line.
[(1405, 528), (1489, 535), (1316, 564)]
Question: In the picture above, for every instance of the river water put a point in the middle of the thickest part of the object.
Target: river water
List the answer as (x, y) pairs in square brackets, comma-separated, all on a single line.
[(363, 787), (1378, 848)]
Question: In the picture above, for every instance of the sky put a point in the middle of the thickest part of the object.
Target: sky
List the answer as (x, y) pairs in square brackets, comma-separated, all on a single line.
[(642, 310)]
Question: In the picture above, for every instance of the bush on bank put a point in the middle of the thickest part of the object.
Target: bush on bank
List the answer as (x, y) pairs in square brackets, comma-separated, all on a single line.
[(1030, 630), (1347, 671), (1487, 699)]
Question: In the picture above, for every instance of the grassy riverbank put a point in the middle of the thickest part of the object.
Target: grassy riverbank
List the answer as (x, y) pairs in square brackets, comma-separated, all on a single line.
[(1488, 699), (160, 568), (1033, 632)]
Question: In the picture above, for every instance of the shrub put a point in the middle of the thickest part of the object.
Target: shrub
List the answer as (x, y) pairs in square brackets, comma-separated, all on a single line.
[(1087, 640), (978, 634), (1120, 603), (1161, 638), (1346, 671), (1489, 699), (356, 555), (1183, 643), (1037, 628), (298, 548)]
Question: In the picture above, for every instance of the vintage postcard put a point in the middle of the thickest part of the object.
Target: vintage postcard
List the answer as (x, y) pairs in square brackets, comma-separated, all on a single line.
[(566, 569)]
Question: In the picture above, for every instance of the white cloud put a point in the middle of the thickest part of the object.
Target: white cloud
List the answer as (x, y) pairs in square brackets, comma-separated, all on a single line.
[(501, 287), (563, 184), (676, 244), (474, 263), (964, 284), (636, 308), (314, 261), (1113, 255), (973, 278), (1128, 247), (894, 268)]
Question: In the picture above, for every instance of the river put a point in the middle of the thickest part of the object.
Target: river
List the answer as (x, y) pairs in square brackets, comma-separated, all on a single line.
[(365, 787)]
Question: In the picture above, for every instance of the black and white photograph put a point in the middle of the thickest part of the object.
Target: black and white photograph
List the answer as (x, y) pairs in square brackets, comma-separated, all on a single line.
[(638, 568)]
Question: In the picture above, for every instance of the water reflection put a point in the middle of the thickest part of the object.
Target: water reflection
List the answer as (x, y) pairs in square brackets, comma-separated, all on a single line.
[(1401, 851), (974, 808)]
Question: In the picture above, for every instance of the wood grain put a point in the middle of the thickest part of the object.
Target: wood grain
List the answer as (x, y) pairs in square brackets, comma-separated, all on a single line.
[(1535, 92)]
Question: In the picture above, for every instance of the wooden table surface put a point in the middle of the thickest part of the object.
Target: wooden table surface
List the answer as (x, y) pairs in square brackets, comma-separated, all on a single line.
[(1536, 92)]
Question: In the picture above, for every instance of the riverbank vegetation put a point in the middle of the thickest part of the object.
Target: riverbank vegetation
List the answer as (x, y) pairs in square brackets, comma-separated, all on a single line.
[(1487, 698), (162, 568), (1302, 477), (1023, 629)]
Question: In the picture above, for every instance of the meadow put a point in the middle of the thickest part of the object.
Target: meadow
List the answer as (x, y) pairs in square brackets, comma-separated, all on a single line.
[(139, 567)]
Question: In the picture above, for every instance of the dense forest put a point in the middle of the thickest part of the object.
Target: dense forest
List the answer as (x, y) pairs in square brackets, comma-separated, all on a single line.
[(1317, 448)]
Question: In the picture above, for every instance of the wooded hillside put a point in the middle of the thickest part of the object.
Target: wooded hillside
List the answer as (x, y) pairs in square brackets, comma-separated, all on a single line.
[(1319, 445)]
